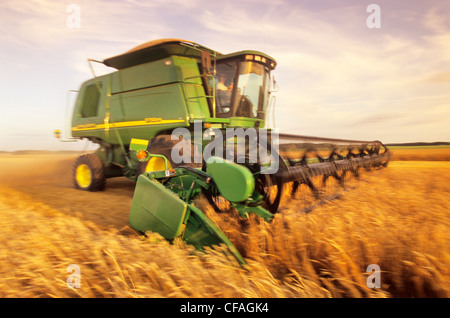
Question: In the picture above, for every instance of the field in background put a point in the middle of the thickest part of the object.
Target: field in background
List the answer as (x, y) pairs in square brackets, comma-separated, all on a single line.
[(396, 218), (421, 153)]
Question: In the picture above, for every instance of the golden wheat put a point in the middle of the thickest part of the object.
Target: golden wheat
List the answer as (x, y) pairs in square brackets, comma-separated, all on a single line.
[(396, 218), (421, 154)]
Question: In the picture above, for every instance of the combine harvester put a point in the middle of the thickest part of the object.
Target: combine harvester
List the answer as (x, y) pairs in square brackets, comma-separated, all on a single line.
[(184, 121)]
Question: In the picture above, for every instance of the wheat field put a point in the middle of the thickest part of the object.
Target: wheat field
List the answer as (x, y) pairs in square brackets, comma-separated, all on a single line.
[(396, 218)]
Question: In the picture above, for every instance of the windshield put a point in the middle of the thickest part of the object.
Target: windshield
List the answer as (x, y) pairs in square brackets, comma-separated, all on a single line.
[(242, 89)]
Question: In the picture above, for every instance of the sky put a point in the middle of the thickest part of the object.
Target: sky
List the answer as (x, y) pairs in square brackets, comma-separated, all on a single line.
[(345, 69)]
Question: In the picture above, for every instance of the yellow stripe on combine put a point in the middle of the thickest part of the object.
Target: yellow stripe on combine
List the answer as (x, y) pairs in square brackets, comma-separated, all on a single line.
[(140, 142), (126, 124)]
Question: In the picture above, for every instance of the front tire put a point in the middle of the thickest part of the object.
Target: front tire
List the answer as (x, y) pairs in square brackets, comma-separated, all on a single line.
[(89, 173)]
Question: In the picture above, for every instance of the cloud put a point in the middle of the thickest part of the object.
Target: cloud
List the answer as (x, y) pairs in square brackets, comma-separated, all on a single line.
[(336, 76), (440, 77)]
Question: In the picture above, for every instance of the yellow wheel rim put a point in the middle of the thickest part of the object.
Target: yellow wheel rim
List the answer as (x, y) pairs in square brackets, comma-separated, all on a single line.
[(156, 164), (83, 175)]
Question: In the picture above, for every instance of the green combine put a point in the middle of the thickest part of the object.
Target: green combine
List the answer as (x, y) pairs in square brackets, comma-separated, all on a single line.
[(183, 121)]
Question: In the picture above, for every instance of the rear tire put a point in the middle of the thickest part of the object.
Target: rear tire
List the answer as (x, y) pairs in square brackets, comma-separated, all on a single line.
[(89, 173)]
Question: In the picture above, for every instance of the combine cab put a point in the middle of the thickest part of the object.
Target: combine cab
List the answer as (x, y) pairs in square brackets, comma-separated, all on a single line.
[(184, 121)]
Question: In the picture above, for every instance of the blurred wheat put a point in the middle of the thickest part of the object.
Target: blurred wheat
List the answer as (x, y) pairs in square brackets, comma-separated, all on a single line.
[(38, 243), (396, 218)]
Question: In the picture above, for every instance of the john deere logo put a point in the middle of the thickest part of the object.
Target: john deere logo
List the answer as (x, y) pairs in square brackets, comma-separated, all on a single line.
[(153, 120)]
